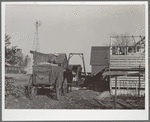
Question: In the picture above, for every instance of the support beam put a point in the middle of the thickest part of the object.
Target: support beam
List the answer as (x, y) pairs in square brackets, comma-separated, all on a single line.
[(134, 44), (82, 57), (139, 82), (126, 46), (115, 91), (126, 36)]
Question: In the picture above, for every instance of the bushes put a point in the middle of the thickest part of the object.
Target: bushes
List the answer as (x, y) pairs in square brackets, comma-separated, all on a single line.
[(17, 91)]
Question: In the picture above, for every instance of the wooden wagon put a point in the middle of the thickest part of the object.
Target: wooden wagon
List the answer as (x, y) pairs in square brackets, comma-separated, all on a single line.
[(47, 75)]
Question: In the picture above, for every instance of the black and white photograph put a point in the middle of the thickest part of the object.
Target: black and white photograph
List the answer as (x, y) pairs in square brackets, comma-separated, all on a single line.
[(75, 60)]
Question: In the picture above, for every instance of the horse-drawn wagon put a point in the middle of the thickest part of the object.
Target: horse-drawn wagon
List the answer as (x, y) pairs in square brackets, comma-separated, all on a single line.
[(50, 76), (47, 75)]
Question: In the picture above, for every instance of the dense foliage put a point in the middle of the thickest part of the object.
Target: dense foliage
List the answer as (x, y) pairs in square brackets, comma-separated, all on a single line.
[(13, 55)]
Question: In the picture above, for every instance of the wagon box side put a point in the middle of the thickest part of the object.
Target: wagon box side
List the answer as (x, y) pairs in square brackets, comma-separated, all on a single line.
[(47, 75)]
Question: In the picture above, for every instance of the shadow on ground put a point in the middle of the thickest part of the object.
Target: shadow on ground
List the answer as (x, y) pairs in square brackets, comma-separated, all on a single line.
[(97, 83)]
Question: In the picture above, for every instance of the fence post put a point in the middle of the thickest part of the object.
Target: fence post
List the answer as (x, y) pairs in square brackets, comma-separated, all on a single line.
[(139, 82), (115, 90), (110, 83)]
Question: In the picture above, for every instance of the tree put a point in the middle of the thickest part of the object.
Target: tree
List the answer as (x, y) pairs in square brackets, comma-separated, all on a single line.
[(13, 55), (7, 40), (7, 50), (121, 43)]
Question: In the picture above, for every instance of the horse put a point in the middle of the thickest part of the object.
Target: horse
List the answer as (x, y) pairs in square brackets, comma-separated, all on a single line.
[(69, 76)]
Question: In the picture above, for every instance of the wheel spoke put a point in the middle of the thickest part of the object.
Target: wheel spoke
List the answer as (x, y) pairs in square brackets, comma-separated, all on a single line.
[(32, 91), (65, 87)]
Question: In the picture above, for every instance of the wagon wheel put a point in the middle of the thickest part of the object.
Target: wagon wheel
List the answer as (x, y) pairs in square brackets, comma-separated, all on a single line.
[(30, 80), (32, 90), (58, 89), (58, 92), (65, 86), (29, 85)]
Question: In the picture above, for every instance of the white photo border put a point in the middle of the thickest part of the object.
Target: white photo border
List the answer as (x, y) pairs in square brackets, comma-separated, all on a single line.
[(62, 114)]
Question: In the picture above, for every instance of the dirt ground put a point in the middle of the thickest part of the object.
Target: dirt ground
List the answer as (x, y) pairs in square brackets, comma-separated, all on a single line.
[(45, 99), (77, 99)]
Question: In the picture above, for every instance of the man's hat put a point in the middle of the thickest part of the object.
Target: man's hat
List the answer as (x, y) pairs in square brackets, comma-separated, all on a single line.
[(56, 54)]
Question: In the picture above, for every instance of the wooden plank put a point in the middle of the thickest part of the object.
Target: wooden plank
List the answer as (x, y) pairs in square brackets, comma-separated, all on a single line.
[(125, 87), (139, 83), (130, 83), (134, 59), (124, 61), (113, 84), (131, 58), (127, 56), (143, 86), (124, 104), (133, 68), (129, 62), (130, 80), (136, 106), (129, 77), (99, 102), (115, 91), (115, 67), (126, 65), (124, 56)]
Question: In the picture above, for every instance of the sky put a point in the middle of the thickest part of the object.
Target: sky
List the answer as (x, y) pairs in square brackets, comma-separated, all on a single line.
[(71, 28)]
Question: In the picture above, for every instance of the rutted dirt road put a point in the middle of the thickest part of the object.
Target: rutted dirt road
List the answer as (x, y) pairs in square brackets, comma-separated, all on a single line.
[(77, 99)]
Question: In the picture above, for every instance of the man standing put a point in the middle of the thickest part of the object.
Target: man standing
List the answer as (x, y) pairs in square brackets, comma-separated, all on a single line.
[(53, 59)]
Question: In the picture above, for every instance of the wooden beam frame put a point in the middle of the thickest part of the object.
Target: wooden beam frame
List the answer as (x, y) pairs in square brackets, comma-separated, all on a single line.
[(82, 57)]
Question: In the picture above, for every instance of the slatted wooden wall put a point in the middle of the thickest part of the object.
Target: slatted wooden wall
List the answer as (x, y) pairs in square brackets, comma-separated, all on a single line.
[(128, 83), (120, 62), (127, 61)]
